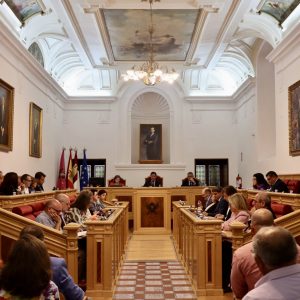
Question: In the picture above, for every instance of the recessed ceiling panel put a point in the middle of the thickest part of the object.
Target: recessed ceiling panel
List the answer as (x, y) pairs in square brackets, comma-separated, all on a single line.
[(128, 31)]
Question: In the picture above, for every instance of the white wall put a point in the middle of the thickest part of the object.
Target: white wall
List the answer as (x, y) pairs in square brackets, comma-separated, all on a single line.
[(18, 69)]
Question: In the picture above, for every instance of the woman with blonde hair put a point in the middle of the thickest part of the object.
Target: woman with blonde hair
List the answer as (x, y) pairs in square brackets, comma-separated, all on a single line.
[(239, 210)]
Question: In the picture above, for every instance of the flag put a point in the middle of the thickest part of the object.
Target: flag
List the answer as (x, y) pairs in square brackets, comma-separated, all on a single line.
[(75, 168), (70, 174), (61, 181), (84, 175)]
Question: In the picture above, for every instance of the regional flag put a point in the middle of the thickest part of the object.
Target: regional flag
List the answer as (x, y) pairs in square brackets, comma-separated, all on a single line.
[(70, 172), (61, 181), (75, 168), (84, 175)]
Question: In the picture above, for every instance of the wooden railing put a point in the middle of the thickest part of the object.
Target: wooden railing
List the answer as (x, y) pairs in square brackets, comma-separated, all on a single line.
[(290, 221), (198, 244), (8, 202), (106, 242), (283, 198), (58, 244)]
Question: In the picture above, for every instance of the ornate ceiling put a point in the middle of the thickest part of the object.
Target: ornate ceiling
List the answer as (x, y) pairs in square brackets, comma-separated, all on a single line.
[(87, 44)]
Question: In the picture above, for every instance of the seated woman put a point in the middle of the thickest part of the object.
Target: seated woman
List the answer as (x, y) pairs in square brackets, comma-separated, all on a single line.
[(102, 194), (79, 211), (27, 272), (259, 182), (117, 181), (239, 211), (10, 184)]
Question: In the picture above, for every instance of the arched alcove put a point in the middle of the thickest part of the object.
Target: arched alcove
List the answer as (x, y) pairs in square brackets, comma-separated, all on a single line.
[(150, 108)]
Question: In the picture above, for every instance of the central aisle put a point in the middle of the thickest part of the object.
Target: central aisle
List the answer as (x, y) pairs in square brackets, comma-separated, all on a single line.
[(152, 271)]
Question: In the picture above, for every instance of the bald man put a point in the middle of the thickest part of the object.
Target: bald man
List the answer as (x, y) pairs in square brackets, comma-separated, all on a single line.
[(64, 200), (50, 216), (275, 253), (245, 272)]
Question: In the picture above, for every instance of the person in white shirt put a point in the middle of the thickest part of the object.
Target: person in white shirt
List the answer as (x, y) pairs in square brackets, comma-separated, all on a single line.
[(275, 253), (25, 184)]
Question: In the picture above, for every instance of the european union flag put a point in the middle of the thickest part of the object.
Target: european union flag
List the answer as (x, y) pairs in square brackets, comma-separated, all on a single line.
[(84, 176)]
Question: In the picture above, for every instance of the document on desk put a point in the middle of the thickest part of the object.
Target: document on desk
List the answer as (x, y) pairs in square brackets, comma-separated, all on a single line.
[(81, 234)]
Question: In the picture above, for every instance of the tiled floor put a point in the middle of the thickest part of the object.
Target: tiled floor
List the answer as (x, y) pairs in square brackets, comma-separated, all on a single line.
[(153, 280)]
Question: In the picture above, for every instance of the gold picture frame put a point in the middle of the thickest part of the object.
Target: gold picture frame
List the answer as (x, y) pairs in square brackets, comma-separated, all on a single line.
[(35, 130), (6, 116), (294, 119)]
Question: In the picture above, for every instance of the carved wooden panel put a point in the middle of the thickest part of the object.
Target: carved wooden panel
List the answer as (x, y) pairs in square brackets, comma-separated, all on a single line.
[(152, 212)]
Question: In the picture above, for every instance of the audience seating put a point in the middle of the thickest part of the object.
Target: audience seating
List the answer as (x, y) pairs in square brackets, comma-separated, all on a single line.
[(293, 185), (31, 211)]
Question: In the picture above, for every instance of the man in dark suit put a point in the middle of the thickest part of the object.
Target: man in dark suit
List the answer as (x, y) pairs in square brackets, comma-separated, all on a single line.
[(151, 143), (40, 179), (276, 184), (153, 180), (221, 208), (190, 180)]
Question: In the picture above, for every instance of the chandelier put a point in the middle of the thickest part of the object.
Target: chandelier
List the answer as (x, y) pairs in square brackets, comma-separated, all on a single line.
[(150, 72)]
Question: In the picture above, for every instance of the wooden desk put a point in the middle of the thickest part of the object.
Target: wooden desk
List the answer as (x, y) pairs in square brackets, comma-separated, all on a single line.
[(199, 244), (150, 208), (106, 242)]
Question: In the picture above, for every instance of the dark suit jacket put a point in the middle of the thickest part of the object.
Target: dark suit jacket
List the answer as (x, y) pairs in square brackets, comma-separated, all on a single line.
[(211, 208), (185, 182), (39, 188), (148, 182), (221, 208), (64, 281), (280, 186)]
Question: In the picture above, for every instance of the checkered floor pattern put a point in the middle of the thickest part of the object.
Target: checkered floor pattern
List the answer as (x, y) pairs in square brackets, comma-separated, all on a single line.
[(153, 280)]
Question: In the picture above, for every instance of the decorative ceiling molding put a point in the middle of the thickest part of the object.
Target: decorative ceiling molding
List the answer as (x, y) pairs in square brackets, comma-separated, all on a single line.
[(220, 38), (196, 35), (98, 14)]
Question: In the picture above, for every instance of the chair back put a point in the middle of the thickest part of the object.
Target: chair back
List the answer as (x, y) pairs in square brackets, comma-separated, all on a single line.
[(158, 179), (111, 182)]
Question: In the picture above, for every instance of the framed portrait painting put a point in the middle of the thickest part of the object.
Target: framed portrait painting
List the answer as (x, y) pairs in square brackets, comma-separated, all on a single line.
[(294, 119), (150, 144), (35, 130), (6, 116)]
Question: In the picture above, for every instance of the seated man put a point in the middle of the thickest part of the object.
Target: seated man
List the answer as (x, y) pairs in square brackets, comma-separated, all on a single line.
[(50, 216), (153, 180), (207, 195), (275, 253), (245, 272), (276, 184), (190, 180), (60, 274), (263, 200), (25, 184), (40, 179), (64, 200)]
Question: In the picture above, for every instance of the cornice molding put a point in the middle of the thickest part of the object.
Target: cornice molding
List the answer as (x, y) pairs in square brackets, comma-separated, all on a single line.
[(286, 45), (13, 45)]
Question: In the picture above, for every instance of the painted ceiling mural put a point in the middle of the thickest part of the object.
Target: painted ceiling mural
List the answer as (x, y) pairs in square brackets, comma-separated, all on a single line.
[(129, 35)]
